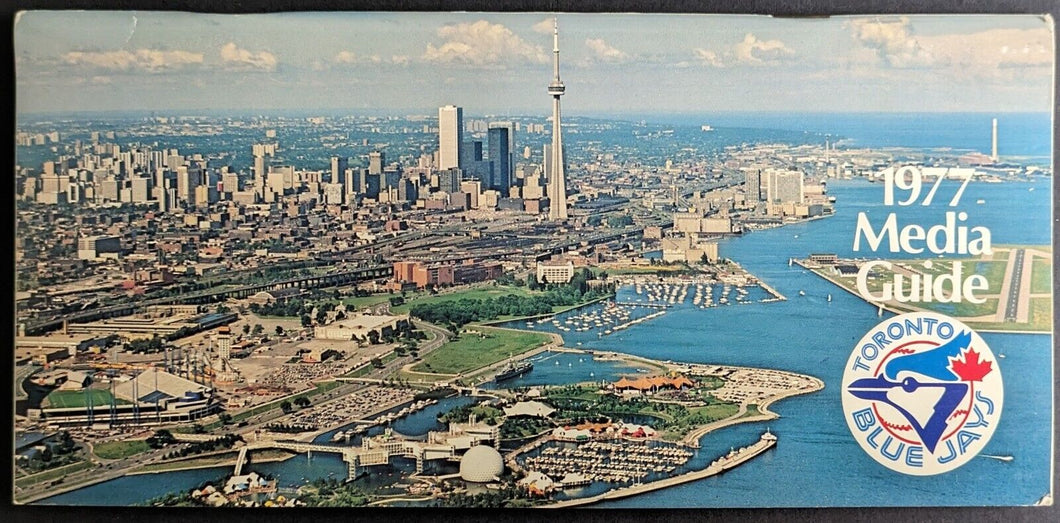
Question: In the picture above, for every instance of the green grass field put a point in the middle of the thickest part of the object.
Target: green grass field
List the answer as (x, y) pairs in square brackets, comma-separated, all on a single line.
[(716, 412), (62, 399), (969, 309), (1041, 277), (119, 449), (473, 351), (1041, 311), (357, 303)]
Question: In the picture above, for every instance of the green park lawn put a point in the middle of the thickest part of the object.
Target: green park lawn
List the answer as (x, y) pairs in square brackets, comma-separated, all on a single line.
[(119, 449), (472, 351), (360, 302)]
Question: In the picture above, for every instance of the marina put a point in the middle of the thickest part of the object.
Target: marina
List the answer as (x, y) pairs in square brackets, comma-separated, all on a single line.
[(729, 461), (609, 461)]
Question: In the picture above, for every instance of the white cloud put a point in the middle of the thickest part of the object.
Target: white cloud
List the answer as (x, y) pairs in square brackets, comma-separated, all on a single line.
[(707, 57), (604, 52), (994, 53), (234, 56), (757, 52), (482, 44), (892, 40), (350, 58), (152, 60), (749, 51), (545, 26), (346, 57)]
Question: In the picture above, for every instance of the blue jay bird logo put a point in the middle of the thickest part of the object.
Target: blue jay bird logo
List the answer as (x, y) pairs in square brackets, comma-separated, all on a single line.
[(922, 393), (951, 368)]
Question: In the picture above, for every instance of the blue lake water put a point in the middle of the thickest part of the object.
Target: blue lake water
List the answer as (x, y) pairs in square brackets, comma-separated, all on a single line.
[(1019, 134), (816, 462)]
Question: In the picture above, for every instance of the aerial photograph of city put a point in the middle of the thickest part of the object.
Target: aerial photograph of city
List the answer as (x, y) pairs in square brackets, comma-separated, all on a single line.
[(532, 260)]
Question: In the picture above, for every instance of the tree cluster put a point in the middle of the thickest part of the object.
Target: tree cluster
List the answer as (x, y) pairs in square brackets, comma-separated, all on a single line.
[(153, 345), (332, 493), (466, 310), (198, 447)]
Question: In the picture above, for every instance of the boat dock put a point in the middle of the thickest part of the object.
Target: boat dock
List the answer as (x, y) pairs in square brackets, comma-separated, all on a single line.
[(731, 460)]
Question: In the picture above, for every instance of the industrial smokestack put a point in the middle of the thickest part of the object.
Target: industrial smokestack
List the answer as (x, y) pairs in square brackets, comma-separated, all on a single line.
[(993, 141)]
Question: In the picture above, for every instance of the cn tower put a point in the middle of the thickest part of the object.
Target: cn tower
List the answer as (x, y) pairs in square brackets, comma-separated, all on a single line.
[(557, 185)]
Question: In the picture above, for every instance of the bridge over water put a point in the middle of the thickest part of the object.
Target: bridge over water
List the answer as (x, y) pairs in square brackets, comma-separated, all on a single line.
[(377, 451)]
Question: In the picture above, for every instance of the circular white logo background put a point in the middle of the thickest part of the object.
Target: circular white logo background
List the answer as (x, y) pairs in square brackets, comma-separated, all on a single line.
[(922, 393)]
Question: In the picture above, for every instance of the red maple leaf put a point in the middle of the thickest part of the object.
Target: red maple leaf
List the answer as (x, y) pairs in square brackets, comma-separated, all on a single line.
[(970, 368)]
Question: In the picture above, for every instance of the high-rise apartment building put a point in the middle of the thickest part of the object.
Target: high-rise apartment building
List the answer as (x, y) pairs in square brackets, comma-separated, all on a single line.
[(753, 186), (339, 164)]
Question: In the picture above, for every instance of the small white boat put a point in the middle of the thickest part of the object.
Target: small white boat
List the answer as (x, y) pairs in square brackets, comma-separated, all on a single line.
[(999, 458)]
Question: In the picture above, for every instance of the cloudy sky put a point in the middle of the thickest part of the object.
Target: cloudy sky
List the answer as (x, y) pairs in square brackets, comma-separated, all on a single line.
[(501, 63)]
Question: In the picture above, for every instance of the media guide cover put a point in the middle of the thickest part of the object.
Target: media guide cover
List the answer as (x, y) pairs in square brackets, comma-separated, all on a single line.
[(541, 260)]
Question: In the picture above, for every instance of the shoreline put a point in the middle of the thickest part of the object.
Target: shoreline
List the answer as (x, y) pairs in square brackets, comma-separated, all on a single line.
[(765, 414)]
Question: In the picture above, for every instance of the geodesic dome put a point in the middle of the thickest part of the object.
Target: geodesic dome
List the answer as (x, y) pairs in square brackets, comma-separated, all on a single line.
[(481, 464)]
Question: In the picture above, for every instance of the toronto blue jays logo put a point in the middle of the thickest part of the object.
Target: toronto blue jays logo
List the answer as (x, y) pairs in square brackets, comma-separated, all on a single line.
[(922, 393)]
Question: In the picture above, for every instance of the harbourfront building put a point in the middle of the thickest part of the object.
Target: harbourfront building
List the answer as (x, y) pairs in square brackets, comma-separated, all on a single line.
[(360, 327), (555, 272), (785, 186)]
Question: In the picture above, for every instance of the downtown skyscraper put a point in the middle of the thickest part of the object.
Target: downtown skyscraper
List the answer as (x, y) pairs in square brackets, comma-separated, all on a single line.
[(450, 136), (500, 160)]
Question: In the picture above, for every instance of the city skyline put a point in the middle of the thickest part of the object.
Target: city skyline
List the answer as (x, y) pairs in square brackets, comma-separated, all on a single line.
[(399, 279), (493, 63)]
